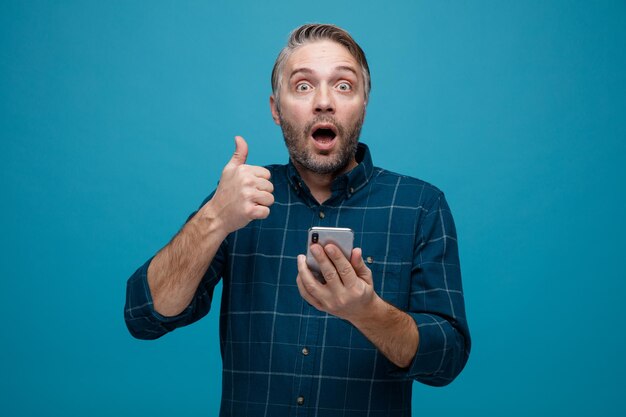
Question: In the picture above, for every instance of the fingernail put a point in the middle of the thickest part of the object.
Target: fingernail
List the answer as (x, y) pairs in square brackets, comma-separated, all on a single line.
[(315, 250), (330, 250)]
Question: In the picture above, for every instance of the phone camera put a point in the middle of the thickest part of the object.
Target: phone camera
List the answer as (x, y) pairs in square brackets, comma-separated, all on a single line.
[(315, 237)]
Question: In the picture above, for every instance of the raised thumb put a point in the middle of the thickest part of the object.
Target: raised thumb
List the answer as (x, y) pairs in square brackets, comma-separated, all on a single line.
[(241, 151)]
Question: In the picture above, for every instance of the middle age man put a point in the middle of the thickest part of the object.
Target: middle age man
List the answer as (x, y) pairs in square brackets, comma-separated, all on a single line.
[(392, 313)]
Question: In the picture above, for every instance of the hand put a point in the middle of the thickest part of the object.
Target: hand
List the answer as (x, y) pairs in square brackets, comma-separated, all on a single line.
[(244, 192), (349, 289)]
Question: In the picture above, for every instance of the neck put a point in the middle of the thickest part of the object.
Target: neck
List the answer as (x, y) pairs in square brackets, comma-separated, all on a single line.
[(320, 184)]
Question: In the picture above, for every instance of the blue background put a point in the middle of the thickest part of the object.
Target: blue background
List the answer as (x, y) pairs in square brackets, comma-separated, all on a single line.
[(117, 117)]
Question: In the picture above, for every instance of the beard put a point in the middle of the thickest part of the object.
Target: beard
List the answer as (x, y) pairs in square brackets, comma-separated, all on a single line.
[(296, 141)]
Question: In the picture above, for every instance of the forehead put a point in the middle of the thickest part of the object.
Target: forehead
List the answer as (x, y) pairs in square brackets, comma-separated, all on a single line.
[(320, 55)]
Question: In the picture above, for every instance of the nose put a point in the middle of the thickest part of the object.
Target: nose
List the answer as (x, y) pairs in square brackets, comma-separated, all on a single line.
[(324, 102)]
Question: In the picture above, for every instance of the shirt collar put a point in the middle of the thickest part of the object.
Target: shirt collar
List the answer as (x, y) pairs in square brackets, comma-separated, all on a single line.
[(346, 184)]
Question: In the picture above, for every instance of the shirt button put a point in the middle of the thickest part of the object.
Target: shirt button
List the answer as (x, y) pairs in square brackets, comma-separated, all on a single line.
[(300, 400), (305, 351), (370, 260), (322, 215)]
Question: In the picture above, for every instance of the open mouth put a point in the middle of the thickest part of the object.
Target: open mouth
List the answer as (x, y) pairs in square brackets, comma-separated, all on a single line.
[(324, 133)]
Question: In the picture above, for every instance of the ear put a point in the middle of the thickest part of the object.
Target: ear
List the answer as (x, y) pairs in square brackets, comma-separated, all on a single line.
[(275, 111)]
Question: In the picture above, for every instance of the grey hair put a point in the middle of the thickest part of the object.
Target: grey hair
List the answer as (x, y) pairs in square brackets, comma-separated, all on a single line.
[(313, 32)]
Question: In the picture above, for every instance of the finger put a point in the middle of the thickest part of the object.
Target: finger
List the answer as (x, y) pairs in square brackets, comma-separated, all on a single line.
[(258, 171), (241, 152), (363, 272), (258, 212), (264, 185), (311, 287), (342, 265), (263, 198), (306, 295), (327, 268)]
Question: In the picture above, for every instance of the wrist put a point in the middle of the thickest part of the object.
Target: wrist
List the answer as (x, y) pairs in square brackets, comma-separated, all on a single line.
[(371, 314), (208, 221)]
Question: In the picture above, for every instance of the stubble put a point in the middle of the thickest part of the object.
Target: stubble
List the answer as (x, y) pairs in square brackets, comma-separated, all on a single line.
[(296, 142)]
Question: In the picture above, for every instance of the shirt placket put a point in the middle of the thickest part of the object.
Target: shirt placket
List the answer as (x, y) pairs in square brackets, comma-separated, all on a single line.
[(310, 349), (309, 356)]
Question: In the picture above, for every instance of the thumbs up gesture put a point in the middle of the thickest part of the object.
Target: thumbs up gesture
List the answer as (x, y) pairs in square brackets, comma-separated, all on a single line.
[(244, 192)]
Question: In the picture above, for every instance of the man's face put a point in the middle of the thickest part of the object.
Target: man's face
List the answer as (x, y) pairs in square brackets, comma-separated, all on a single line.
[(322, 107)]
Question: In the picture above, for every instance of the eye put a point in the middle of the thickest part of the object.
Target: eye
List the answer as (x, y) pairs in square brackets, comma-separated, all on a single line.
[(344, 86), (303, 87)]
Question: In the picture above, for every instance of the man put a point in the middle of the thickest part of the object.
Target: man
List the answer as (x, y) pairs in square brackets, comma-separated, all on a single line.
[(291, 345)]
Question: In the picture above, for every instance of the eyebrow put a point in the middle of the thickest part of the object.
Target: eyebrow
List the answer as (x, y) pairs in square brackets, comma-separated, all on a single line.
[(310, 71)]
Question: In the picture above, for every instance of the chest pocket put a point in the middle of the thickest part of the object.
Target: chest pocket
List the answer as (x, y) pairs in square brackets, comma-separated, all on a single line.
[(388, 279)]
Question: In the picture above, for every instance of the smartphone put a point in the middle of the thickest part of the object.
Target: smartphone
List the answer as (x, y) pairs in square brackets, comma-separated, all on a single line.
[(341, 237)]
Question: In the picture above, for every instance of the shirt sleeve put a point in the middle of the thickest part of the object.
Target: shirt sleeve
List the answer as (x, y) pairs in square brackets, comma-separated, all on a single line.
[(144, 322), (436, 301)]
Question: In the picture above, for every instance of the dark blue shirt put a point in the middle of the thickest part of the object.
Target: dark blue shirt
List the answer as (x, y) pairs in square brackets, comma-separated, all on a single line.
[(283, 357)]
